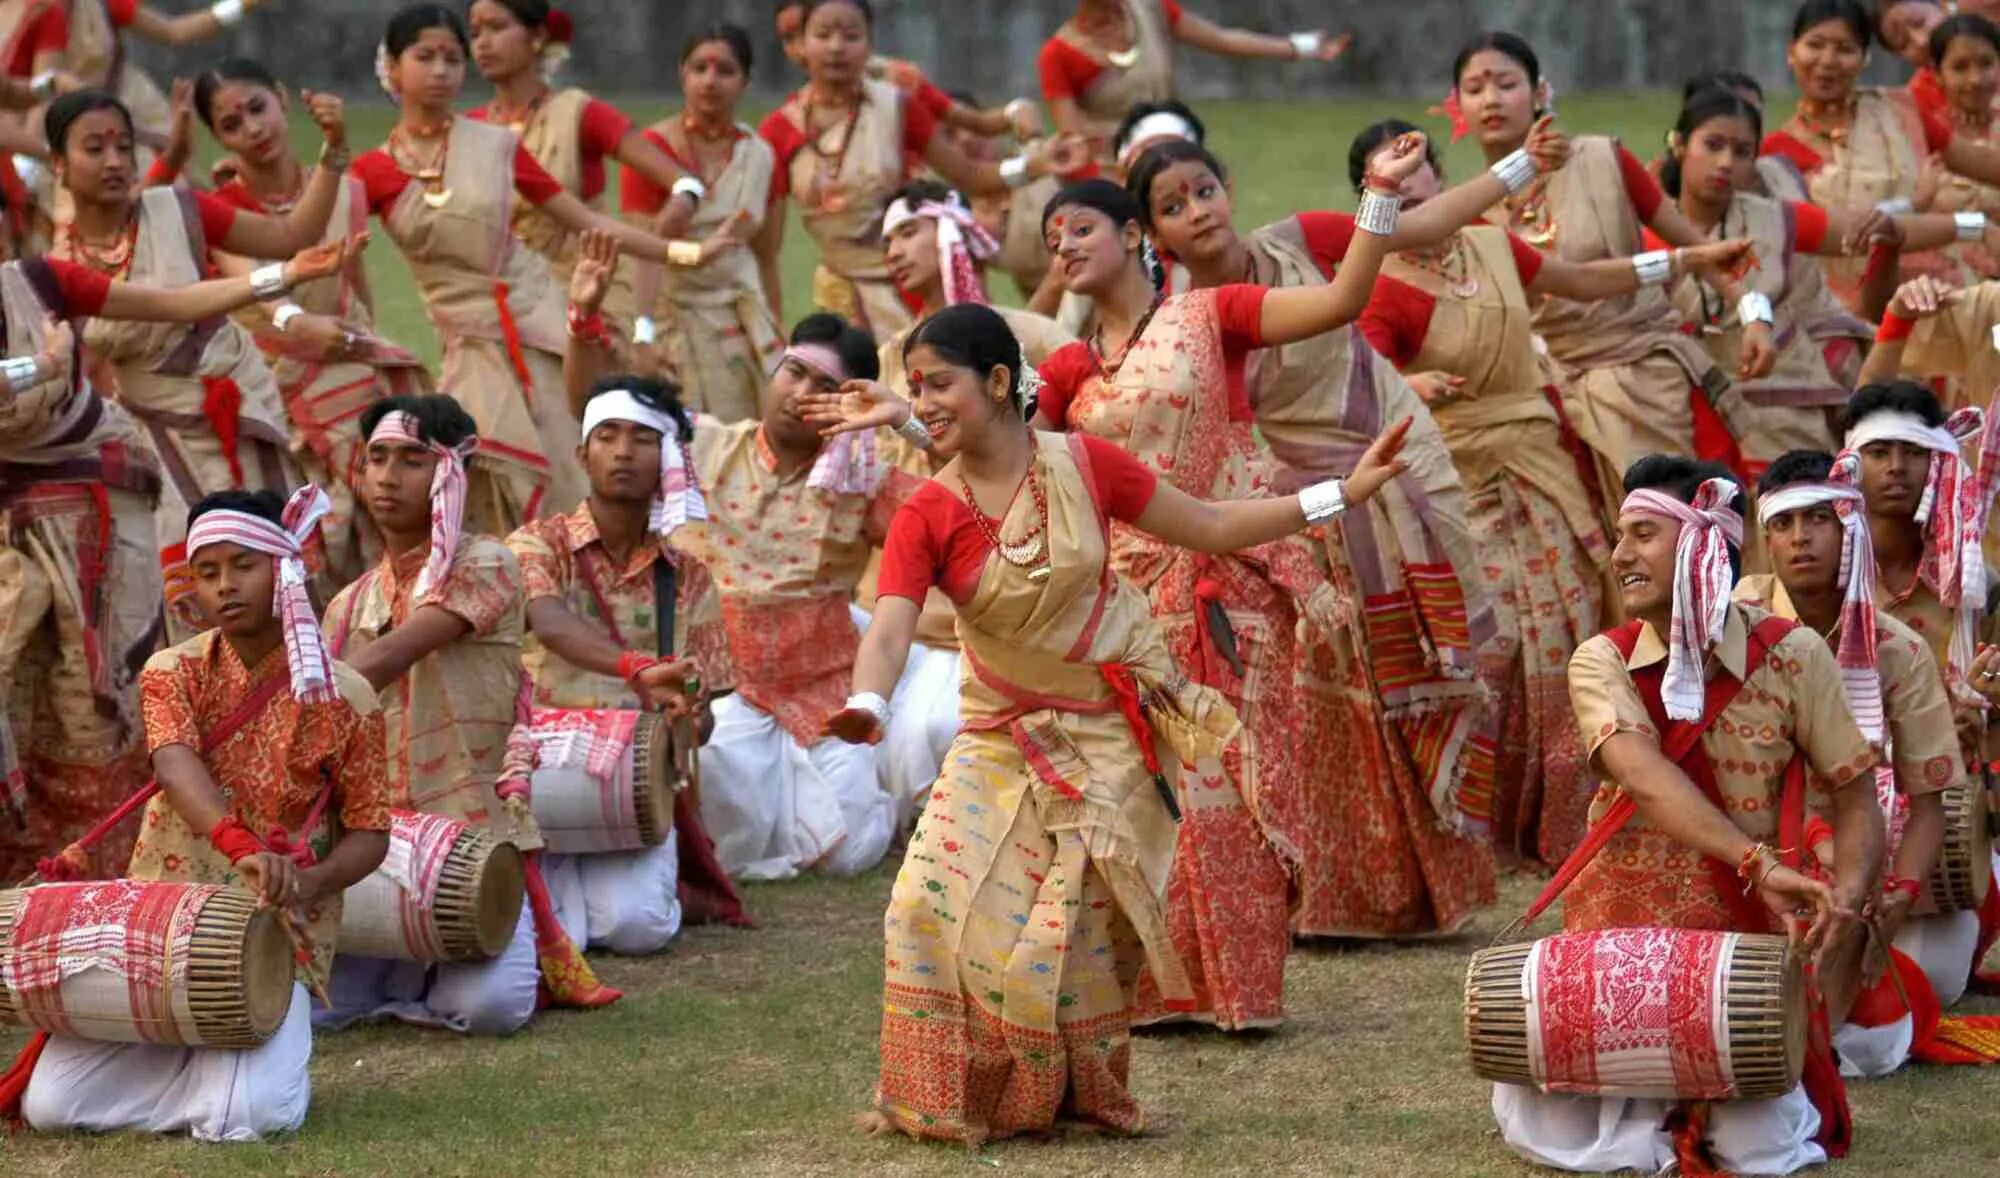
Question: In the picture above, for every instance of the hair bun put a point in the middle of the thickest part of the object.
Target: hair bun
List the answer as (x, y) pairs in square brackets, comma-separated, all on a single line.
[(560, 27)]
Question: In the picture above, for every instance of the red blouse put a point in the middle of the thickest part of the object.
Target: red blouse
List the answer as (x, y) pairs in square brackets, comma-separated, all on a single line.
[(385, 180), (80, 290), (1068, 71), (787, 139), (1239, 311), (600, 130), (1810, 225), (1937, 137), (1398, 318), (935, 541), (46, 32), (636, 194)]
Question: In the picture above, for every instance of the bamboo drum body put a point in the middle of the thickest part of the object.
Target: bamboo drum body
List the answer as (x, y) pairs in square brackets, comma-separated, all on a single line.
[(579, 813), (1965, 862), (480, 888)]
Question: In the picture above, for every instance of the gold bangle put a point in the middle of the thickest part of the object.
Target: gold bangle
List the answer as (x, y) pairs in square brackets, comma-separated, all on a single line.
[(684, 253)]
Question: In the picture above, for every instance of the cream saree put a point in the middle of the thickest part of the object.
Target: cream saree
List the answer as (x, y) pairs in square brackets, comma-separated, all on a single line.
[(842, 183)]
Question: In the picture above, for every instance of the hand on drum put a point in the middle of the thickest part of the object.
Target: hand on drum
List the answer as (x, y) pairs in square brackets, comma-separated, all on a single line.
[(1984, 675), (1806, 906), (275, 878), (663, 687), (855, 726)]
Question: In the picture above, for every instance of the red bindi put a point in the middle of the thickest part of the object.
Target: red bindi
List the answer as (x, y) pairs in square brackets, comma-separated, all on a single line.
[(916, 376), (1187, 190), (1057, 220)]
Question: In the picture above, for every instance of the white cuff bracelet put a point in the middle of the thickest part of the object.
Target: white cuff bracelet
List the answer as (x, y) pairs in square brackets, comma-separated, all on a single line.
[(873, 704), (1755, 307), (227, 13), (1971, 226), (914, 433), (268, 282), (1322, 501), (1654, 267), (20, 373), (1014, 171), (1377, 213), (1516, 170)]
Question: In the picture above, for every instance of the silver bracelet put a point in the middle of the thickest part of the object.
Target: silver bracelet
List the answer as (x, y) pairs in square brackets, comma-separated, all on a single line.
[(1377, 214), (1895, 206), (1014, 171), (870, 702), (282, 317), (644, 330), (692, 187), (43, 86), (227, 13), (268, 282), (914, 433), (1322, 501), (1971, 226), (1654, 267), (1306, 45), (1755, 307), (22, 373), (1516, 170)]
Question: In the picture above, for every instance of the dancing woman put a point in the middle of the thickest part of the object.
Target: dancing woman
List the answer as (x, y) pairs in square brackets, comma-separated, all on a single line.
[(1056, 803), (93, 43), (1966, 51), (320, 344)]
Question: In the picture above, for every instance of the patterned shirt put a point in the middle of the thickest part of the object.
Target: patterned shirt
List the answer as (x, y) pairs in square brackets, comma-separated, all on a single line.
[(563, 556)]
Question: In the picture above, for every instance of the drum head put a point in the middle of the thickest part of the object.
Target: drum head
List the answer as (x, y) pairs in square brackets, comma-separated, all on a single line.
[(1797, 1017), (1982, 845), (267, 972), (655, 761), (502, 890)]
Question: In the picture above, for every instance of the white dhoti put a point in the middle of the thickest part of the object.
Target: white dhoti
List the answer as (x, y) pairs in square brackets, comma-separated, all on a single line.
[(1869, 1053), (495, 997), (776, 809), (923, 721), (1942, 947), (625, 901), (213, 1093), (1601, 1134)]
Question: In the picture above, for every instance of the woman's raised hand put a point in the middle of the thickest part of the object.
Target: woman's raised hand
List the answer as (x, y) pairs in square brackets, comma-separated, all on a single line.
[(1548, 146), (324, 259), (1403, 157), (859, 405), (328, 111), (1921, 298), (732, 233), (1378, 464), (596, 262)]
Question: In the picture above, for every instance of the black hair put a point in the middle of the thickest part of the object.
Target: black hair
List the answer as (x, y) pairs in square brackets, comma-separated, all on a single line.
[(971, 335), (1371, 139), (532, 13), (1158, 158), (232, 69), (1682, 478), (663, 396), (922, 189), (63, 113), (1847, 12), (1965, 24), (1095, 193), (1892, 396), (1713, 103), (856, 347), (812, 6), (414, 20), (731, 35), (1499, 42), (440, 419), (1795, 466), (1726, 79), (267, 505), (1171, 106)]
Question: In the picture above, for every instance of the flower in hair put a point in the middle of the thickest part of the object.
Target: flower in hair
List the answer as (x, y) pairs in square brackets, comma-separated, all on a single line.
[(382, 76)]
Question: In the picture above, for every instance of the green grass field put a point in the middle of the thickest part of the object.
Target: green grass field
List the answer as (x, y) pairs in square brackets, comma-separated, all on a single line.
[(752, 1052)]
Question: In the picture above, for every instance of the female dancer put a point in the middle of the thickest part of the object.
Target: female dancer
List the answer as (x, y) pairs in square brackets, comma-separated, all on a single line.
[(320, 345), (1114, 53), (1632, 383), (1054, 803), (1863, 147), (201, 392), (518, 45), (94, 51), (497, 309), (1367, 799), (1454, 316), (1966, 50), (843, 145), (717, 326)]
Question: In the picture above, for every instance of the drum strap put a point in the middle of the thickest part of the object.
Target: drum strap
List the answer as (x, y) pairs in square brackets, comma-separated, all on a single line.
[(666, 596)]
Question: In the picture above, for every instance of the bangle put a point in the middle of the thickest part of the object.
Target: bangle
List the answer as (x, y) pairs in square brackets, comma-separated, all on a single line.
[(1746, 868), (1891, 884), (1516, 170), (1895, 206), (632, 663), (589, 328), (690, 187), (227, 13), (283, 316), (1017, 109), (268, 282), (914, 433), (1755, 307), (1306, 45), (1971, 226), (335, 159), (43, 85), (1014, 171), (1377, 214), (644, 330), (1654, 267), (1323, 500), (870, 702), (1894, 327), (684, 253), (233, 839), (21, 372)]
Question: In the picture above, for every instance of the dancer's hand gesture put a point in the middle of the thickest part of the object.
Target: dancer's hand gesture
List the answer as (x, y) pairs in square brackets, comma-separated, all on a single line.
[(1378, 465)]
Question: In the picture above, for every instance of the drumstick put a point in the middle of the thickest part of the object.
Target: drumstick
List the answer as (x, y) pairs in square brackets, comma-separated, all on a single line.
[(302, 955)]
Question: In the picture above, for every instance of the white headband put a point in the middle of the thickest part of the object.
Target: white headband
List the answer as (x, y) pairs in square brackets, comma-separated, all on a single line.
[(1801, 495), (679, 499), (1894, 426), (1161, 124)]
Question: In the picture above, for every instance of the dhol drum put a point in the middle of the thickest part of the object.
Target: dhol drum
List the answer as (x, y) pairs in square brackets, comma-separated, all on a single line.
[(606, 778), (446, 891), (132, 961), (1642, 1012), (1965, 862)]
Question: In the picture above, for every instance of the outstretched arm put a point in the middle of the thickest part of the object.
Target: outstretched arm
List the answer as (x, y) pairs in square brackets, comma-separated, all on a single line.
[(1456, 207), (388, 658), (220, 296), (1199, 33), (188, 28)]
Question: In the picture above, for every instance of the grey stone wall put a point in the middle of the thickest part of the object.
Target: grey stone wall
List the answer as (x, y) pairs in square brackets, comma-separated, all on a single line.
[(988, 46)]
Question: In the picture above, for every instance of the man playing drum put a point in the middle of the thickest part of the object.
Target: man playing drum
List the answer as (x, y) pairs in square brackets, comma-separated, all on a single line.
[(436, 628), (602, 639), (1755, 701), (1816, 535), (289, 799)]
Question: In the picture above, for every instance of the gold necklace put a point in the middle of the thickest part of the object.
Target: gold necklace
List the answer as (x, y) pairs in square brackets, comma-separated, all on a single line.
[(1451, 267), (436, 195)]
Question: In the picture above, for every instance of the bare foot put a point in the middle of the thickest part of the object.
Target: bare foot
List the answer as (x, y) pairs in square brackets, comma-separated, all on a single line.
[(875, 1123)]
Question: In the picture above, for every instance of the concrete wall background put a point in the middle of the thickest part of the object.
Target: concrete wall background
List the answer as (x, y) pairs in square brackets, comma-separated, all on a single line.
[(989, 46)]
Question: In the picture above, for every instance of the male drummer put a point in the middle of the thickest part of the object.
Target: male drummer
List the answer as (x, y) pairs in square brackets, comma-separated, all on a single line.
[(1756, 699), (1817, 538), (269, 757), (620, 617), (436, 629)]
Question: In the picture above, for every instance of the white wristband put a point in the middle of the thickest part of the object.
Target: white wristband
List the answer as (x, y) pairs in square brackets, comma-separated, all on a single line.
[(1971, 226), (691, 186), (227, 13), (1654, 267), (1014, 171), (644, 330), (1377, 214), (43, 86), (1017, 109), (1516, 170), (870, 702), (1896, 206), (283, 316), (914, 433), (1755, 307), (1306, 45), (268, 282), (1322, 501), (20, 372)]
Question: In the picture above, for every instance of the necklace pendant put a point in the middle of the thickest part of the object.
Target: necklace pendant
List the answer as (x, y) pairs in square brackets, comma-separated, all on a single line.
[(1465, 287), (1124, 59), (1040, 573), (437, 198)]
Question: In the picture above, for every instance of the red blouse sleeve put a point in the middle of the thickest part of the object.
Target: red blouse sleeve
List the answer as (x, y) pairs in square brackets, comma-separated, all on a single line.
[(1640, 188), (1239, 311), (122, 12), (1397, 320), (636, 194), (1172, 10), (1125, 485), (1527, 260), (1327, 237), (1651, 240), (786, 141), (380, 178), (1809, 226), (1063, 373), (234, 193), (83, 289), (911, 561), (1937, 132), (532, 180), (217, 215), (930, 97), (1065, 70), (1804, 158), (919, 125), (1928, 92), (49, 34), (602, 127)]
